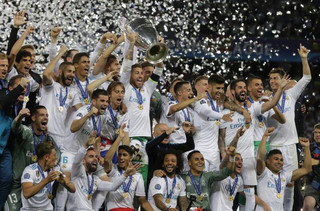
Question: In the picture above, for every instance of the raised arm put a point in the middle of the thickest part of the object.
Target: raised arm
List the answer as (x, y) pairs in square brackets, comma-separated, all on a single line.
[(262, 150), (234, 107), (78, 123), (235, 140), (278, 115), (96, 83), (17, 46), (270, 104), (49, 71), (16, 125), (100, 66), (182, 105), (17, 22), (107, 165), (307, 164), (303, 52), (221, 144)]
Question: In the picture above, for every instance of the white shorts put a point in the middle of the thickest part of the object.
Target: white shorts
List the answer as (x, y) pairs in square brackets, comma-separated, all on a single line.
[(290, 157), (248, 171), (212, 161), (66, 161)]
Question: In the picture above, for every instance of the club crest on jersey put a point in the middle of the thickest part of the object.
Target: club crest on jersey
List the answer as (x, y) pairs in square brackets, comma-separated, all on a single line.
[(203, 101)]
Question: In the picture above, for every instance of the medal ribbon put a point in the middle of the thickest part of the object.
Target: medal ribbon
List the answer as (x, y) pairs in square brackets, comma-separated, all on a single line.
[(185, 114), (232, 189), (196, 186), (139, 96), (62, 100), (34, 140), (90, 185), (113, 117), (17, 108), (278, 183), (28, 90), (49, 188), (126, 186), (283, 102), (84, 93), (169, 195), (171, 97), (212, 103), (260, 117), (98, 129)]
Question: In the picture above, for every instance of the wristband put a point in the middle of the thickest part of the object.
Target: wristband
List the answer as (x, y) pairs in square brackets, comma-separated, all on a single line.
[(231, 159)]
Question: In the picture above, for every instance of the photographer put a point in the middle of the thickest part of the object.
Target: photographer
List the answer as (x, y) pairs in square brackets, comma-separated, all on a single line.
[(312, 194)]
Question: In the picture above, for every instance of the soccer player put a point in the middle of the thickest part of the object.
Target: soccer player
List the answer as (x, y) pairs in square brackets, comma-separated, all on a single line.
[(245, 144), (123, 197), (272, 178), (86, 183), (285, 135), (26, 140), (37, 179), (166, 192), (198, 182)]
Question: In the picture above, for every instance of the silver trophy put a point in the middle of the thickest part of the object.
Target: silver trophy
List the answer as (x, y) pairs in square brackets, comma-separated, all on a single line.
[(147, 39)]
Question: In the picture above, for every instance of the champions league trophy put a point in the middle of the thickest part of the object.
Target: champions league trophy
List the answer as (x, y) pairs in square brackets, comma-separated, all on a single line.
[(147, 40)]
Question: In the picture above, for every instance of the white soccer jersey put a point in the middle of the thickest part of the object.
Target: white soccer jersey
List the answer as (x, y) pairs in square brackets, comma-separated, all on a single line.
[(139, 119), (104, 85), (286, 134), (260, 128), (164, 107), (40, 200), (34, 85), (158, 185), (267, 190), (221, 193), (50, 99), (207, 125), (84, 87), (245, 143), (80, 200), (79, 138), (179, 117), (117, 198)]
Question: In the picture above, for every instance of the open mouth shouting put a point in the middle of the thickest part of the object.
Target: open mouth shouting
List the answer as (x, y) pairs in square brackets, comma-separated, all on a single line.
[(3, 74), (43, 124)]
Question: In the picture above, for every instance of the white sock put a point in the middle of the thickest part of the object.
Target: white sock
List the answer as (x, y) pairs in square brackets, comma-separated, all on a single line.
[(98, 199), (288, 198), (250, 200), (61, 198)]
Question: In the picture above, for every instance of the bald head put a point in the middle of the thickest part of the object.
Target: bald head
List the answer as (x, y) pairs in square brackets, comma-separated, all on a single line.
[(159, 129)]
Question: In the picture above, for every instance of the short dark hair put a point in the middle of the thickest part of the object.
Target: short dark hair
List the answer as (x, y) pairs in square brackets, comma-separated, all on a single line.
[(12, 81), (110, 59), (278, 70), (68, 53), (44, 148), (179, 85), (136, 65), (63, 65), (96, 93), (172, 152), (191, 153), (251, 78), (273, 152), (216, 79), (126, 148), (174, 80), (234, 83), (78, 56), (200, 78), (146, 64), (36, 108), (21, 54), (113, 85), (316, 126), (23, 48)]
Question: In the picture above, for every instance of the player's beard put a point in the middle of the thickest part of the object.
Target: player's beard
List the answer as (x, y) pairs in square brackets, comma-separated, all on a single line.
[(91, 168)]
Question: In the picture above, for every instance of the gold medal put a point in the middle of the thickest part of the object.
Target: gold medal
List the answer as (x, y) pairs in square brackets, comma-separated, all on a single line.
[(260, 124), (26, 99), (247, 125), (86, 100), (89, 197), (60, 108), (230, 198), (50, 196), (218, 122), (117, 131), (34, 158), (125, 195), (140, 107), (278, 195), (200, 197), (168, 200)]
